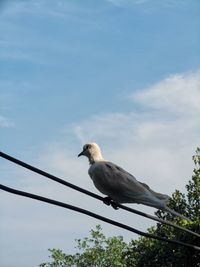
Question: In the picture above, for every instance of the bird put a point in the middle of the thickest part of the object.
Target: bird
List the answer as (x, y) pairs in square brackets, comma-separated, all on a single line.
[(120, 186)]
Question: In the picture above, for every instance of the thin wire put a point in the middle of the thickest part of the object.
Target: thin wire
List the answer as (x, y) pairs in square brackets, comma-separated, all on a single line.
[(84, 191), (94, 215)]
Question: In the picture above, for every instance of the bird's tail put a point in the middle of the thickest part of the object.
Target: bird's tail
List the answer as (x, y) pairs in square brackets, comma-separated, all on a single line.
[(176, 213)]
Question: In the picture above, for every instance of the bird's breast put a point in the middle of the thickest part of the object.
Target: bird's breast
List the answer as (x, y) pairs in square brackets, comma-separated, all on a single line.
[(103, 179)]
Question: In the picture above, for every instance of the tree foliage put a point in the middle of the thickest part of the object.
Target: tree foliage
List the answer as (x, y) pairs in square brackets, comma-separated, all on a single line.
[(99, 251), (94, 251)]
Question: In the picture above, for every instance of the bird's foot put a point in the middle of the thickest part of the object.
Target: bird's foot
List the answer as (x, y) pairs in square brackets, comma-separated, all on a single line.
[(108, 201), (114, 205)]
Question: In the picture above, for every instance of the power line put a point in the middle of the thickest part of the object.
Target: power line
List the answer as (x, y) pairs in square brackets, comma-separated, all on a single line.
[(94, 215), (91, 194)]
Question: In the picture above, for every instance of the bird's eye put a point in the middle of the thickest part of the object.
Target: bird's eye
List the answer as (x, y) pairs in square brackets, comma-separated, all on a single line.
[(88, 147)]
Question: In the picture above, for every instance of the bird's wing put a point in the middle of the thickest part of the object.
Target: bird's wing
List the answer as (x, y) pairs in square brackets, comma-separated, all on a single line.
[(156, 194), (120, 185)]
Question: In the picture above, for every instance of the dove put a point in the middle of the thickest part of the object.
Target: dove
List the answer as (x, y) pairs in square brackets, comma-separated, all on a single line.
[(119, 185)]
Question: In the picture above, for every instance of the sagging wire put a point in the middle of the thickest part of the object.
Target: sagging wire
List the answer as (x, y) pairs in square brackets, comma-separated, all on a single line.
[(94, 215)]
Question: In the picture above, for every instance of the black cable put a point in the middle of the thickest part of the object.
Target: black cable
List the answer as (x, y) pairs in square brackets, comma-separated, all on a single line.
[(94, 215), (84, 191)]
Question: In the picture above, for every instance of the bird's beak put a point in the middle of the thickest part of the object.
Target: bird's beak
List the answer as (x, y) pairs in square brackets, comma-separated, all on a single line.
[(81, 154)]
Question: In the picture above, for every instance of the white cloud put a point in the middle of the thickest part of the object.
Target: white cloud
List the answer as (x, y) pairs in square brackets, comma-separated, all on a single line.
[(177, 94)]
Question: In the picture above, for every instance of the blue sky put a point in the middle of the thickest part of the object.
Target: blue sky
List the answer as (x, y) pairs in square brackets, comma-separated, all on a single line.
[(122, 73)]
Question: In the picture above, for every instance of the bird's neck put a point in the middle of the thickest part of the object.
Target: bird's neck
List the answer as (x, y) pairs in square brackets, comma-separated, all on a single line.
[(95, 158)]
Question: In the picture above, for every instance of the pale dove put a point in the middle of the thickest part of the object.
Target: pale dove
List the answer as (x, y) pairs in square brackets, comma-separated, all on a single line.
[(119, 185)]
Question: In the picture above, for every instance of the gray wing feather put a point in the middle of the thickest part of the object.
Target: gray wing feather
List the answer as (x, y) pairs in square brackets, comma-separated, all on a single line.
[(121, 186)]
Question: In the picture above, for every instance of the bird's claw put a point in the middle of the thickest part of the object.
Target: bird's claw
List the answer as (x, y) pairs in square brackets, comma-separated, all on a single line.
[(108, 201), (114, 205)]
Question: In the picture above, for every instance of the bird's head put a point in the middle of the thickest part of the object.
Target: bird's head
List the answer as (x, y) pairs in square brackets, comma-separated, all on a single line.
[(92, 151)]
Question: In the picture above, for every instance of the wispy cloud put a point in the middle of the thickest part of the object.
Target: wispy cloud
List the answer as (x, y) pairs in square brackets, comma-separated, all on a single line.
[(179, 94), (22, 41), (176, 97)]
